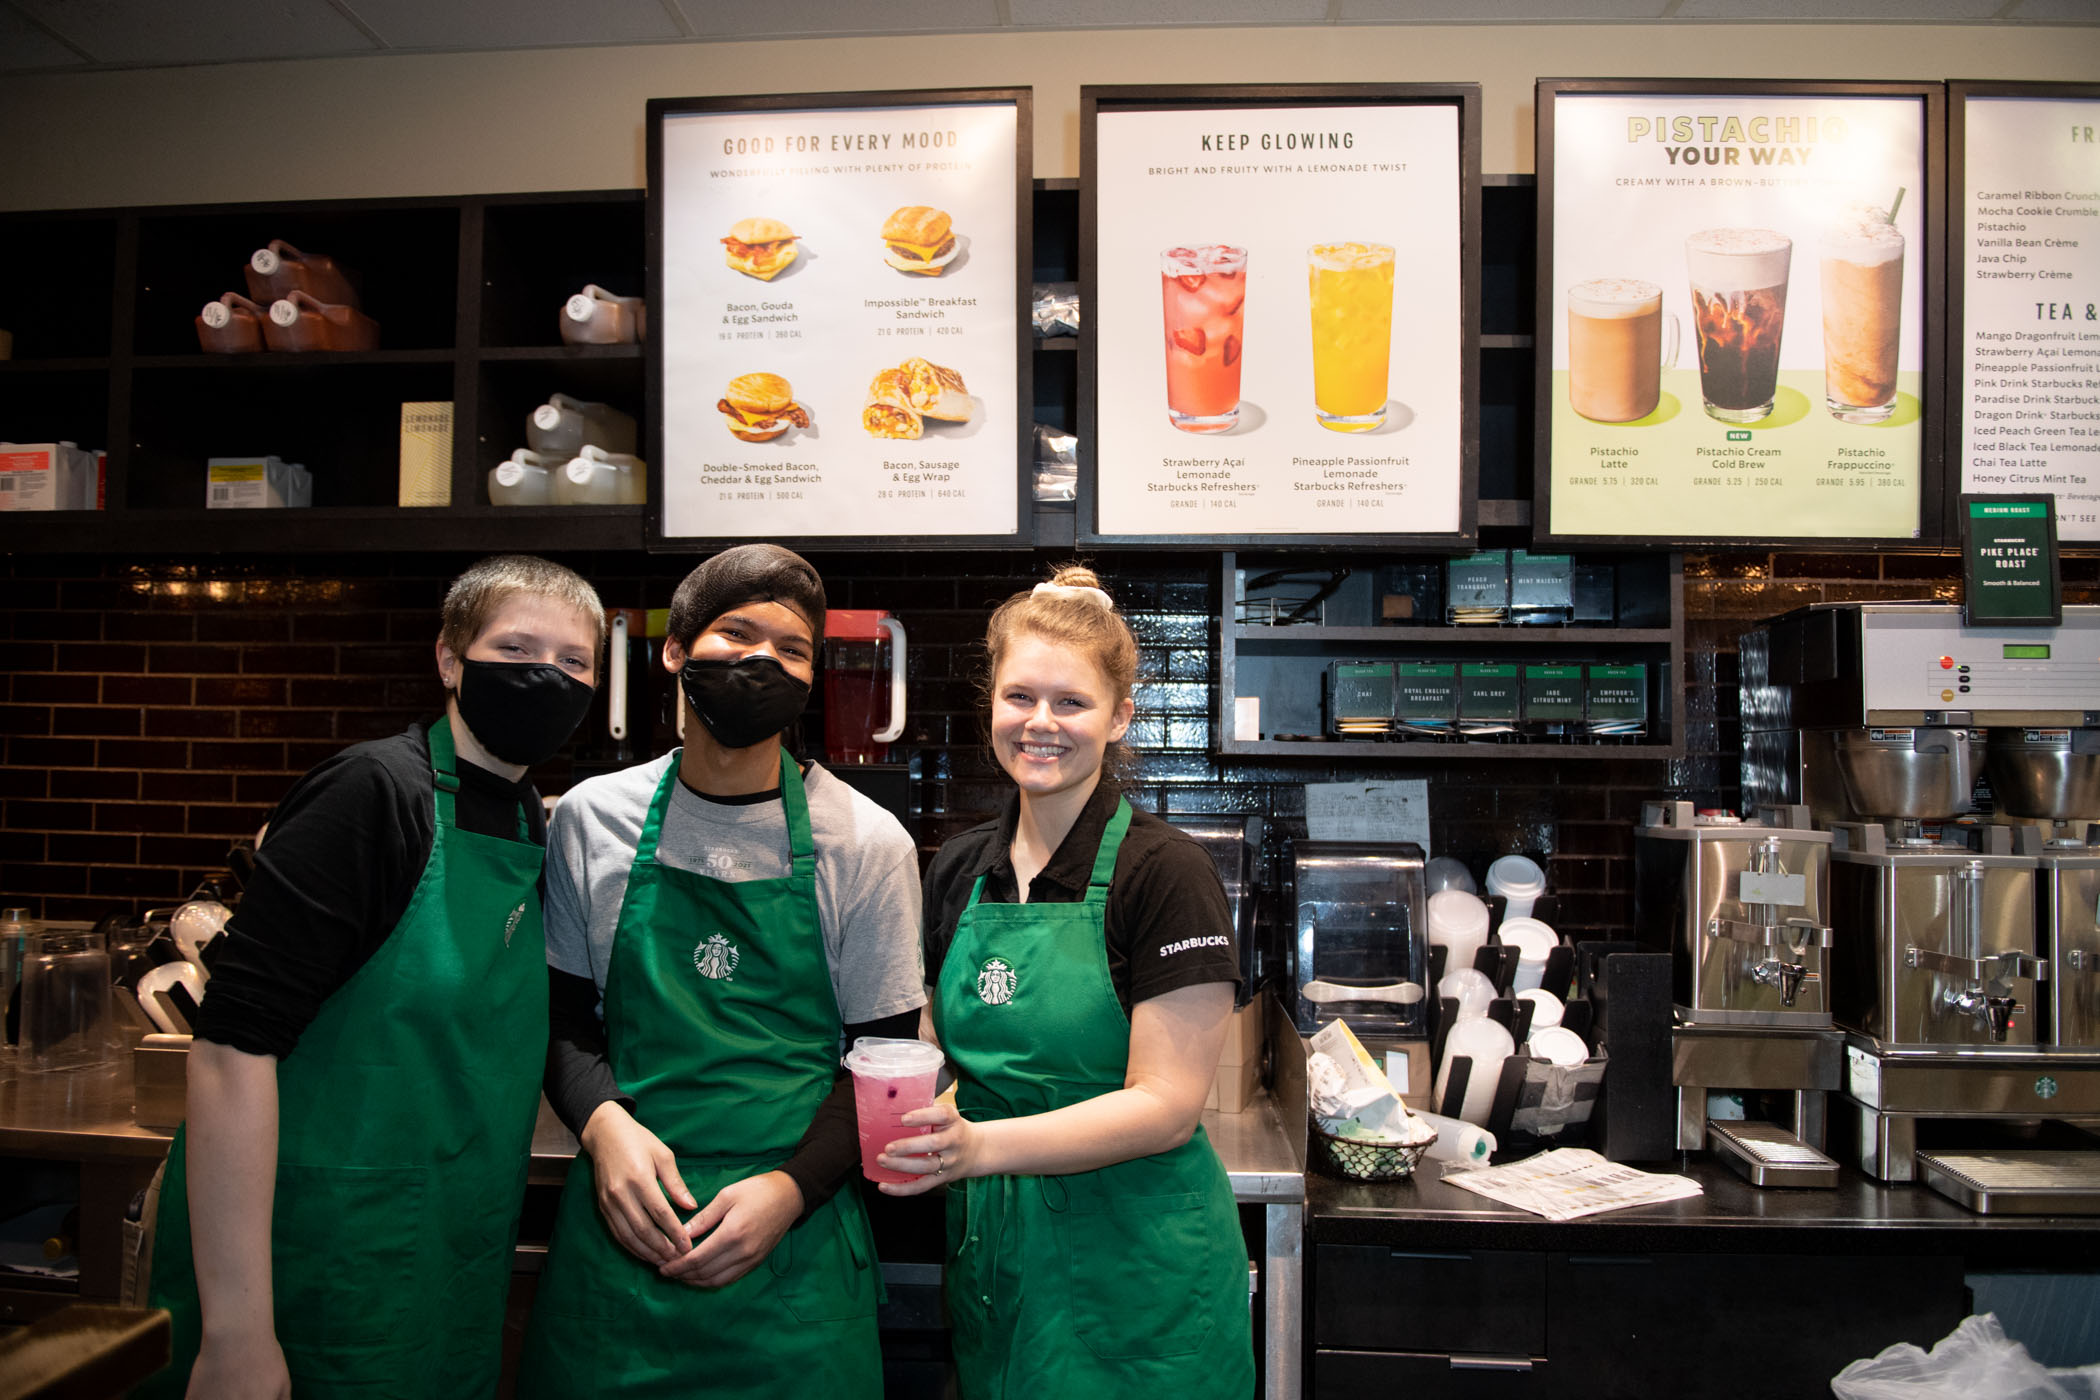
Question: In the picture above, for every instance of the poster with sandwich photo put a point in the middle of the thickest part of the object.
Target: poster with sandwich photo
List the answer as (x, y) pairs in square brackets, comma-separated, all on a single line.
[(1281, 310), (839, 314), (1732, 319)]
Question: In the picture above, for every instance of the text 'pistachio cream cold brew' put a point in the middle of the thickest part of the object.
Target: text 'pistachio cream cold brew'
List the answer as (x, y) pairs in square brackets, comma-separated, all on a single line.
[(1879, 717)]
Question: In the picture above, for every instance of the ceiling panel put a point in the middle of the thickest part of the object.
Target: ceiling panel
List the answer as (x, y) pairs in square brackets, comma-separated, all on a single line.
[(514, 24), (1530, 11), (806, 18), (1887, 11), (220, 31), (1105, 14), (23, 46), (2057, 11)]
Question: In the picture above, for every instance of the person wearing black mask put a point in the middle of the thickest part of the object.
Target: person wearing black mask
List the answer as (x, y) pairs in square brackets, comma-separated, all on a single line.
[(718, 921), (339, 1211)]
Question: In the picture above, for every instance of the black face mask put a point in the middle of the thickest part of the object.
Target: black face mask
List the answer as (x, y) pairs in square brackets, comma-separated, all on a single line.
[(743, 702), (521, 711)]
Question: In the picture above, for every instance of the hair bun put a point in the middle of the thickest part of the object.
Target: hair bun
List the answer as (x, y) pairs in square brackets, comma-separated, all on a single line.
[(1075, 576)]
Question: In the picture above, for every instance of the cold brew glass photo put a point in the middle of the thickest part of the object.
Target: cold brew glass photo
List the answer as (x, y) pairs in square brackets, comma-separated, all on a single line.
[(1617, 348), (1352, 333), (1203, 294), (1738, 278), (1862, 257)]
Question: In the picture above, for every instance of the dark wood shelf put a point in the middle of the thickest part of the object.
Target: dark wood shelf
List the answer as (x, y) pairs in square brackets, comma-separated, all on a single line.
[(288, 359), (87, 364), (323, 529), (557, 354), (1379, 751), (1057, 342), (1248, 634)]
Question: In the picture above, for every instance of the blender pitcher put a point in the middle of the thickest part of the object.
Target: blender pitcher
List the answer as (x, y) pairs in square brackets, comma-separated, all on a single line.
[(863, 687)]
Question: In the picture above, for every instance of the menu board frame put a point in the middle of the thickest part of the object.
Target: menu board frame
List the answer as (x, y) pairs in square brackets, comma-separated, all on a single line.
[(1959, 91), (1465, 101), (655, 538), (1933, 513)]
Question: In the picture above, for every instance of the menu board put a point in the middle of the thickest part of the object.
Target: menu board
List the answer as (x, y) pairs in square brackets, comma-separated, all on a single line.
[(837, 316), (2029, 335), (1732, 312), (1278, 314)]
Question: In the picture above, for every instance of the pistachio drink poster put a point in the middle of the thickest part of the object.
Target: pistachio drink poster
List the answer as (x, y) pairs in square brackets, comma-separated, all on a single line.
[(1736, 316), (2031, 303), (839, 322), (1278, 313)]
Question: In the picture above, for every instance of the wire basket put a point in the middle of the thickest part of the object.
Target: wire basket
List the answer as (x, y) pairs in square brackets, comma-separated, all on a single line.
[(1367, 1161)]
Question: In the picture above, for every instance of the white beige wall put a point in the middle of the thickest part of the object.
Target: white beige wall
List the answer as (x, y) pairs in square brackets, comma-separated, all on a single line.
[(572, 119)]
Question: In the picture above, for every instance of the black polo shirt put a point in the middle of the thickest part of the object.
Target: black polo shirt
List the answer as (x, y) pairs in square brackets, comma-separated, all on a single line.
[(1167, 922)]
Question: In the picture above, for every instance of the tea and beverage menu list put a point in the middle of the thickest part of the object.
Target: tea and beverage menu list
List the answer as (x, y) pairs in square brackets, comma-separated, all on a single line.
[(1278, 321), (2031, 303), (1737, 322), (839, 322)]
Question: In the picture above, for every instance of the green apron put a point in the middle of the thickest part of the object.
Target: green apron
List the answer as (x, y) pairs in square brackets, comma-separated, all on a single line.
[(722, 1026), (404, 1134), (1130, 1280)]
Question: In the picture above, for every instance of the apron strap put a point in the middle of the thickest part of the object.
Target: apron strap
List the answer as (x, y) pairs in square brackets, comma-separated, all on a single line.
[(653, 824), (1105, 856), (444, 770), (801, 845)]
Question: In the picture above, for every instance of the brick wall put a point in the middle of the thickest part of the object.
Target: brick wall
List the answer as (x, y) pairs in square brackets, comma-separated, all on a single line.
[(152, 712)]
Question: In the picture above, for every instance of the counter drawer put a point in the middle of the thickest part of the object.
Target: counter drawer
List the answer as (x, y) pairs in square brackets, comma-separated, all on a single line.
[(1483, 1301), (1354, 1375)]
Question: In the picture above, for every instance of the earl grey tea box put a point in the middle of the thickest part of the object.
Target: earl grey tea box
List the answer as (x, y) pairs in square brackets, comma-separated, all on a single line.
[(1487, 690)]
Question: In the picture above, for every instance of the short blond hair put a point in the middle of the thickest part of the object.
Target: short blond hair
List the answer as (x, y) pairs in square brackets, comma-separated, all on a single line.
[(477, 595)]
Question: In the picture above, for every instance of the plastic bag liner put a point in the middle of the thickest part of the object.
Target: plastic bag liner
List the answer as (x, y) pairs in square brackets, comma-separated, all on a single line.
[(1974, 1361)]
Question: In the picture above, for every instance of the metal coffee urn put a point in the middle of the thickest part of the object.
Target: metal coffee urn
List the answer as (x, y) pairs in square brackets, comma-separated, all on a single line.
[(1743, 907), (1879, 718)]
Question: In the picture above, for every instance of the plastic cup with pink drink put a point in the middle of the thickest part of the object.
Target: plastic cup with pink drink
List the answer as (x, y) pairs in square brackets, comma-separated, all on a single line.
[(890, 1079)]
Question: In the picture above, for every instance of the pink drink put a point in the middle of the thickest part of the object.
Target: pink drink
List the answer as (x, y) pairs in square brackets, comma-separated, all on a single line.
[(890, 1079), (1203, 293)]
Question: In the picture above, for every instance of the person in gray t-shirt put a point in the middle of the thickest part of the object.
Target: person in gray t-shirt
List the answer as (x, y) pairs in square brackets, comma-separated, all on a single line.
[(718, 921)]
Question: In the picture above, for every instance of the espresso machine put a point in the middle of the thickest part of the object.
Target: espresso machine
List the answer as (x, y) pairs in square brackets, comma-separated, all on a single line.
[(1879, 718), (1743, 908)]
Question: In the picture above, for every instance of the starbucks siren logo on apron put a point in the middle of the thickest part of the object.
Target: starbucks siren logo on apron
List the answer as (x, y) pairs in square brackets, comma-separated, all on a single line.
[(995, 982), (716, 958), (510, 925)]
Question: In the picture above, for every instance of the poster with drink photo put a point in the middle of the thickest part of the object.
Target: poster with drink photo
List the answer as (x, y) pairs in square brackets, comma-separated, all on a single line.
[(1277, 312), (1732, 316), (2029, 229), (837, 296)]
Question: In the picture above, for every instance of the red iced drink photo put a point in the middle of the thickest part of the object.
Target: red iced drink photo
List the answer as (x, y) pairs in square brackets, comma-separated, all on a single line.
[(890, 1079), (1203, 293), (1739, 278)]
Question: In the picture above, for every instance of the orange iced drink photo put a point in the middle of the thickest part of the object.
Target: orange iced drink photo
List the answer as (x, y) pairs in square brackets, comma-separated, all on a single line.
[(1352, 333), (1203, 295), (1862, 268)]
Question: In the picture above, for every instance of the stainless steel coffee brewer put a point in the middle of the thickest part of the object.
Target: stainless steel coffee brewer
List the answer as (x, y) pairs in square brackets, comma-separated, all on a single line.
[(1743, 907), (1876, 716)]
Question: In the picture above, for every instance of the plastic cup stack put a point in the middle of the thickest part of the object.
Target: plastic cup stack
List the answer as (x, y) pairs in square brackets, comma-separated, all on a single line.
[(1519, 881)]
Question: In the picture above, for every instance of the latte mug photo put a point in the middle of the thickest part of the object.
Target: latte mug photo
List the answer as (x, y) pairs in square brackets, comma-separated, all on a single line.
[(1619, 343)]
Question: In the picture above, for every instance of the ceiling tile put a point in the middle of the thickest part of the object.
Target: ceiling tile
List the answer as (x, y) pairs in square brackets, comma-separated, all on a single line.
[(1881, 11), (1533, 11), (513, 24), (171, 31), (1061, 14), (23, 46), (2057, 12), (723, 19)]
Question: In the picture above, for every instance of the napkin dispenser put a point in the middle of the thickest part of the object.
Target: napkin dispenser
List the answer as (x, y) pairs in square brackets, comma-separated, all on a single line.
[(1360, 950)]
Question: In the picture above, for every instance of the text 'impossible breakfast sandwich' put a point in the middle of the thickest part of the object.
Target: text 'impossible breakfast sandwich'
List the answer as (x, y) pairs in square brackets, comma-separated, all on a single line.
[(760, 407), (917, 238), (760, 248)]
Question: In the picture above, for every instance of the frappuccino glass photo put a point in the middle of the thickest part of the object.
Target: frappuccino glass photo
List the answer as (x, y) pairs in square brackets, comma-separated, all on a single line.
[(1862, 257)]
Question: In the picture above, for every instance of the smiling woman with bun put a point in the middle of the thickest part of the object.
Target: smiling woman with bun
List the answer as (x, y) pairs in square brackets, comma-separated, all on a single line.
[(1081, 968)]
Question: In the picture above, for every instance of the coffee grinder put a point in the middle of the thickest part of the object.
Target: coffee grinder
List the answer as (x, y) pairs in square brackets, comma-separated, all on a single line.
[(1743, 908), (1875, 717)]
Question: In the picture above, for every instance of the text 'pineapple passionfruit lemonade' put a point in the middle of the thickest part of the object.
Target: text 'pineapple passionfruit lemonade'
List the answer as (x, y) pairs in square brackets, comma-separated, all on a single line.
[(1203, 294), (1352, 333)]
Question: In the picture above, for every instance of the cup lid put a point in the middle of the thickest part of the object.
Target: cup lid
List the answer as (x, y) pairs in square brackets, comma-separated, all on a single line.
[(880, 1055), (1532, 938), (1518, 875)]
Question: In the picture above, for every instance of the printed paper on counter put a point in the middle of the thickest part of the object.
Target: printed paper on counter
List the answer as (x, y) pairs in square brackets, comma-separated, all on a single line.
[(839, 322), (1737, 338), (2031, 303), (1278, 310)]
